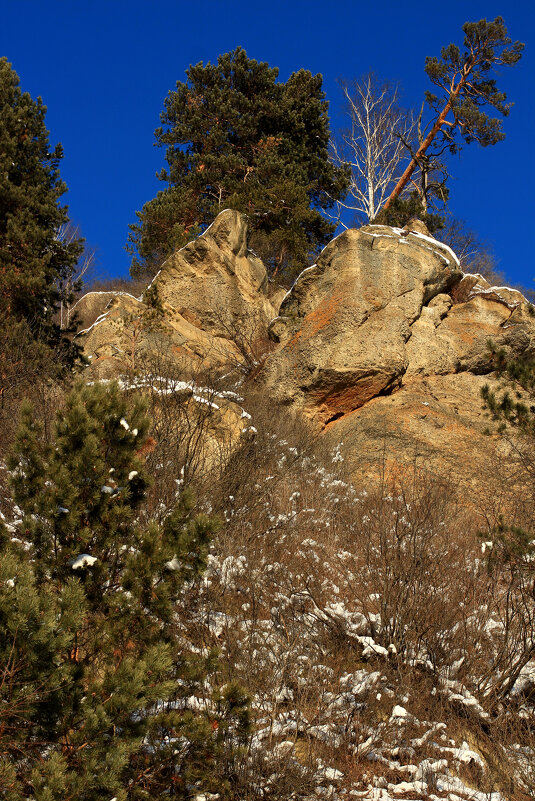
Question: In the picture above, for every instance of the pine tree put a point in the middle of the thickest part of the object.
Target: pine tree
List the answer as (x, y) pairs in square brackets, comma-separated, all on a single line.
[(402, 210), (509, 541), (35, 266), (465, 88), (237, 138), (96, 677), (513, 405)]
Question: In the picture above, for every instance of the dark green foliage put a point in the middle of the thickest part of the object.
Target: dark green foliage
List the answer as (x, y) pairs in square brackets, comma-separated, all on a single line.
[(35, 267), (402, 210), (511, 545), (236, 138), (512, 406), (486, 46), (93, 703)]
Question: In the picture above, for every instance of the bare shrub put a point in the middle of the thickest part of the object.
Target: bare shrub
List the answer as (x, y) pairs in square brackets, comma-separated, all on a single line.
[(133, 286), (249, 333), (328, 603)]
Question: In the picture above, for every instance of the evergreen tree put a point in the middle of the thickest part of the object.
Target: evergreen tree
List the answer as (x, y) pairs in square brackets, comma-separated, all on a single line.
[(514, 404), (402, 210), (465, 88), (96, 678), (509, 541), (35, 266), (236, 138)]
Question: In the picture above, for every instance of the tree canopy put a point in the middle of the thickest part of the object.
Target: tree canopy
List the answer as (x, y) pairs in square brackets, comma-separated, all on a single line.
[(35, 266), (237, 138), (95, 674), (465, 85)]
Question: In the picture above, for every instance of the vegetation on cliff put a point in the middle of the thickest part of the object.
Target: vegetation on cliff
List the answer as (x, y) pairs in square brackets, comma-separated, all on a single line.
[(236, 138), (35, 265), (202, 596)]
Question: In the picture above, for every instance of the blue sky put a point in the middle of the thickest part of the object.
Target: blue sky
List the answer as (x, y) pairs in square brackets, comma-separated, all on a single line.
[(103, 69)]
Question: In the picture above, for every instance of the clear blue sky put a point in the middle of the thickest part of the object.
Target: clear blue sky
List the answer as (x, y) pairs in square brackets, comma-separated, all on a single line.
[(103, 68)]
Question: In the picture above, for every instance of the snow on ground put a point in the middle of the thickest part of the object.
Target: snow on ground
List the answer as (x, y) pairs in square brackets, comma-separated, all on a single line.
[(283, 600)]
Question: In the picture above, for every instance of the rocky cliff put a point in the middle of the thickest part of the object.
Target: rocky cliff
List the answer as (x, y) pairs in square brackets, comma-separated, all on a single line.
[(208, 293), (384, 656), (383, 343)]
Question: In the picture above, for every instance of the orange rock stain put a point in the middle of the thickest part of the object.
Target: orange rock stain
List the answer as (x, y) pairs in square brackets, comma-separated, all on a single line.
[(317, 319)]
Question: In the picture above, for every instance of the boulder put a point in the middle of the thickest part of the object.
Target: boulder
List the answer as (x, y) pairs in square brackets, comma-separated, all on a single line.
[(344, 326), (213, 293)]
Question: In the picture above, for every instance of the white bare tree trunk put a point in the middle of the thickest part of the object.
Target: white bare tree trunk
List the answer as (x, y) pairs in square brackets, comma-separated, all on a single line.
[(67, 233), (373, 144)]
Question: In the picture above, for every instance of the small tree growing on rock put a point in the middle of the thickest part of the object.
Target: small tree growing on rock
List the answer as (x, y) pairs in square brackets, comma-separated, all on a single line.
[(465, 87)]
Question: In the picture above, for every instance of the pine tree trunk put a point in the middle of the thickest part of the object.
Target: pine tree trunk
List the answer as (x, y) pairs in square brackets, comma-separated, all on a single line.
[(441, 119)]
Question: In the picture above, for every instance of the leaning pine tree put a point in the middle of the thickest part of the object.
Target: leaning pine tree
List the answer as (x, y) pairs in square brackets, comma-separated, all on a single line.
[(237, 138), (93, 702), (466, 90)]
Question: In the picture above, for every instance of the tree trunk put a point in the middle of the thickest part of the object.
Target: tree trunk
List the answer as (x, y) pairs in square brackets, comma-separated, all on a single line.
[(405, 178)]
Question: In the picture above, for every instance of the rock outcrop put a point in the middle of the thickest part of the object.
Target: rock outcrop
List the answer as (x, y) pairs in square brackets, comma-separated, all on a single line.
[(216, 282), (213, 292), (345, 324), (384, 343)]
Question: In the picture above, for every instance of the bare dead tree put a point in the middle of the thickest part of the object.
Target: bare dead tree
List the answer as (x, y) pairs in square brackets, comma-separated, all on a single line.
[(67, 233), (374, 143)]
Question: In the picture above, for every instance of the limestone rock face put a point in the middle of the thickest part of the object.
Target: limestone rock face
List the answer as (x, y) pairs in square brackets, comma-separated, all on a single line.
[(216, 281), (126, 338), (211, 291), (437, 422), (345, 324), (90, 306), (384, 343)]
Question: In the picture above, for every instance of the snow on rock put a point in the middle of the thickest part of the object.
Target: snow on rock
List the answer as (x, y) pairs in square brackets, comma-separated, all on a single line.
[(526, 679), (453, 785), (99, 319), (407, 787), (371, 648)]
